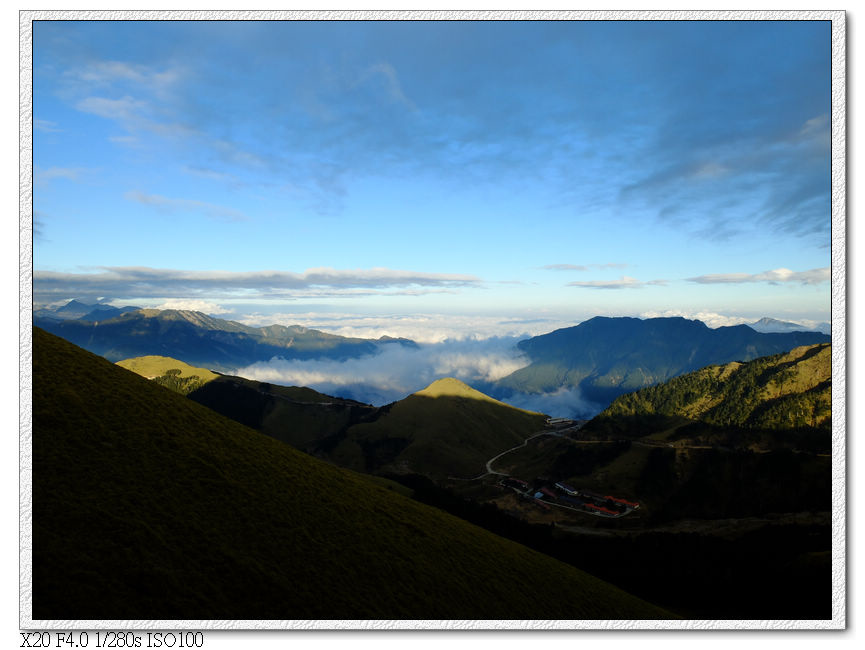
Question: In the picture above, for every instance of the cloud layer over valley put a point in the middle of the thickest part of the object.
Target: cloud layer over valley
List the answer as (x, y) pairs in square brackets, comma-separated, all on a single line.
[(397, 371)]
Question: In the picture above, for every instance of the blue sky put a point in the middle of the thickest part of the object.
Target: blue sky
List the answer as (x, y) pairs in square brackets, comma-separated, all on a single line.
[(393, 177)]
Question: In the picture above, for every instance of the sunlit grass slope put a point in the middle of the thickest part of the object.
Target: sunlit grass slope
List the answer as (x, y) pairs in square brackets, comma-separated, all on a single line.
[(446, 429), (147, 505), (155, 366), (783, 391), (170, 373)]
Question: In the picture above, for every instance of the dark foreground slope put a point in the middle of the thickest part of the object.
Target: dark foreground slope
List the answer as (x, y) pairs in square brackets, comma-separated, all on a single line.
[(149, 506)]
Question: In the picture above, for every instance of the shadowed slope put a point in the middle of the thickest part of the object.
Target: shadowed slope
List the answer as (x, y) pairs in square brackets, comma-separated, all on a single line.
[(147, 505), (295, 415)]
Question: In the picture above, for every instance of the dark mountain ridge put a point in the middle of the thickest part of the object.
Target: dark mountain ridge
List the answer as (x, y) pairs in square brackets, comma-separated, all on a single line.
[(767, 325), (202, 340), (298, 416), (607, 357), (77, 310)]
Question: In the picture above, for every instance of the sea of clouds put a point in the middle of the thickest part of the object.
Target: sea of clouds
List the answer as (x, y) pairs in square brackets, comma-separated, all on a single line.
[(398, 371), (419, 327), (478, 350)]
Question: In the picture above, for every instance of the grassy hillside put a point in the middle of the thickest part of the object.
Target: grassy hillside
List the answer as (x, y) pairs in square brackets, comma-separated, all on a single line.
[(147, 505), (170, 373), (446, 429), (154, 366), (790, 394)]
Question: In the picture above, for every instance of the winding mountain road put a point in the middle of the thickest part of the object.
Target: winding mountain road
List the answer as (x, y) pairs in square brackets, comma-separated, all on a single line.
[(490, 469)]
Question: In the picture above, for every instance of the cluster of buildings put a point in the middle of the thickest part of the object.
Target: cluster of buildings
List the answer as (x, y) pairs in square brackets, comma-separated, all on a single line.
[(565, 496)]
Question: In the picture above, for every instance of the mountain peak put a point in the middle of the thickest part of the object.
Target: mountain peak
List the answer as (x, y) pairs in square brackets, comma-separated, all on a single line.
[(767, 325), (452, 387)]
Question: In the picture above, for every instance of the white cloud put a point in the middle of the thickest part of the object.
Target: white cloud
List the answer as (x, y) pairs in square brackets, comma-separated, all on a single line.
[(397, 371), (816, 132), (582, 267), (712, 319), (212, 174), (565, 403), (625, 282), (710, 170), (124, 109), (128, 140), (209, 209), (42, 176), (46, 126), (775, 276), (163, 284), (135, 116), (107, 72), (388, 76), (203, 306), (423, 328)]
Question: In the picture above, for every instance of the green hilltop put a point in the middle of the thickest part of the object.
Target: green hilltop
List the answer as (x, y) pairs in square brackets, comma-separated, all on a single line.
[(451, 387), (147, 505), (153, 366), (446, 429), (171, 373)]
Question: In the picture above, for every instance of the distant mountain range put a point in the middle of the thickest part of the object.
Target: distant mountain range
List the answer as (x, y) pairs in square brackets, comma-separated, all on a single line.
[(769, 325), (602, 357), (77, 310), (203, 340), (148, 506), (607, 357)]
